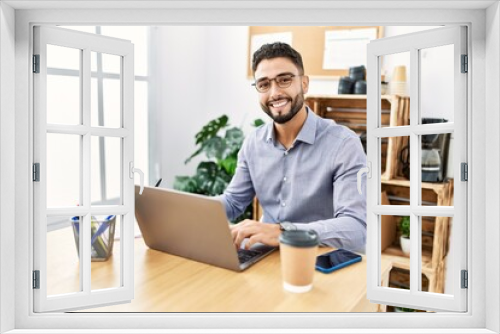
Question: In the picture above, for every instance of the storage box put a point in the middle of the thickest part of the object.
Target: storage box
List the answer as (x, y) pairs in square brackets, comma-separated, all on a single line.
[(102, 236)]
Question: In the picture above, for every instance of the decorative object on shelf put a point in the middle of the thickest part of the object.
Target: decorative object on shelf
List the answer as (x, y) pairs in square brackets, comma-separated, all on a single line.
[(346, 85), (355, 83), (398, 81), (357, 73), (432, 165), (360, 87), (404, 159), (404, 225), (213, 176)]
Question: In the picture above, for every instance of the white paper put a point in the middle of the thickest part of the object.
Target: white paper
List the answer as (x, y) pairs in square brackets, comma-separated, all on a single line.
[(346, 48)]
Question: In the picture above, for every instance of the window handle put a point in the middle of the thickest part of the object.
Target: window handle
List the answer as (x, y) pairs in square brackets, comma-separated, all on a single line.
[(368, 171), (141, 175)]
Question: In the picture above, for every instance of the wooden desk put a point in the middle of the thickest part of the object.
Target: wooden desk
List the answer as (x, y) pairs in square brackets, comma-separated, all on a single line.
[(167, 283)]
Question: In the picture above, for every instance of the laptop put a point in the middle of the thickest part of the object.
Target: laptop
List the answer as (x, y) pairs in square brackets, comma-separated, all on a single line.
[(192, 226)]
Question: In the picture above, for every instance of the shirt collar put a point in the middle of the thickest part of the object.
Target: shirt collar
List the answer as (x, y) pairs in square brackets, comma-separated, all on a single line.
[(307, 134)]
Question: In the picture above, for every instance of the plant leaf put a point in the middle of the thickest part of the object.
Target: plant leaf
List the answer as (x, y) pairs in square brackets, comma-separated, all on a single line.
[(211, 129), (234, 138), (258, 122), (186, 183), (211, 178), (229, 165), (215, 147)]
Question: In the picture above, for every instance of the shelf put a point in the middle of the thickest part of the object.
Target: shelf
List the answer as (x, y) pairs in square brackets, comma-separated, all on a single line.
[(436, 187), (399, 260), (345, 96)]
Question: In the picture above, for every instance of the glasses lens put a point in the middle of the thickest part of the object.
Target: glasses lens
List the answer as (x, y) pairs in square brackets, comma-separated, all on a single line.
[(284, 81), (263, 85)]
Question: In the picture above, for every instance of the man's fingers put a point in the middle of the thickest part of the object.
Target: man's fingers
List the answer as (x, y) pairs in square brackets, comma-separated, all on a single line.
[(253, 240), (244, 232)]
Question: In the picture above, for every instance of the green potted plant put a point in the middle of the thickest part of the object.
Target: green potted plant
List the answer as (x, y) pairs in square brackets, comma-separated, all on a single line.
[(404, 225), (220, 144)]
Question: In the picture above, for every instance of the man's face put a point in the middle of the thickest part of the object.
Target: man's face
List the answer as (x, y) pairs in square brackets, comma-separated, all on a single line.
[(281, 104)]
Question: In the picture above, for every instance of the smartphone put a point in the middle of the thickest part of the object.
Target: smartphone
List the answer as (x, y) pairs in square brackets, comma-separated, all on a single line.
[(335, 260)]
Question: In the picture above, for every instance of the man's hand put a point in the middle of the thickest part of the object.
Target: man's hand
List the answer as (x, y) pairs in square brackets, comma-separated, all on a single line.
[(256, 232)]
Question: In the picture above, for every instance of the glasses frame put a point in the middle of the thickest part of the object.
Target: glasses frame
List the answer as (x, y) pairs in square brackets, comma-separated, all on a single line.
[(274, 79)]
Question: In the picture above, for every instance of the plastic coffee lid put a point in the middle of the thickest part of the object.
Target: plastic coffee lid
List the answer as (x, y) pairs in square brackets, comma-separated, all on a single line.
[(299, 238)]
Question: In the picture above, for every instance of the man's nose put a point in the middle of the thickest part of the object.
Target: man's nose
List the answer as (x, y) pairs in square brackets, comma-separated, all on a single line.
[(275, 89)]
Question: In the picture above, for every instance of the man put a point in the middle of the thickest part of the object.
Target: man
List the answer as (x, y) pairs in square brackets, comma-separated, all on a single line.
[(302, 168)]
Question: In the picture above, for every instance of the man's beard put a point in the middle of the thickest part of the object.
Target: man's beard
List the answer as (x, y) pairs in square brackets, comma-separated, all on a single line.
[(297, 104)]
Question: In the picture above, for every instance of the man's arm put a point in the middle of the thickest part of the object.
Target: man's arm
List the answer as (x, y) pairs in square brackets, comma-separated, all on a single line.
[(348, 227), (240, 191)]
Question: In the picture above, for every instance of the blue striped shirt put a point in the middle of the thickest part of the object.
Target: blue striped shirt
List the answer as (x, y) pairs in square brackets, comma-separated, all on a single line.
[(313, 184)]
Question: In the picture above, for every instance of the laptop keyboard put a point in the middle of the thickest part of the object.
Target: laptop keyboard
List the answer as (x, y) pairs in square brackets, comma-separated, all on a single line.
[(244, 255)]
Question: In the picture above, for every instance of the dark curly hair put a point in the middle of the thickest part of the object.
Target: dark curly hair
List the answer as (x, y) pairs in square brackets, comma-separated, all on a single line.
[(275, 50)]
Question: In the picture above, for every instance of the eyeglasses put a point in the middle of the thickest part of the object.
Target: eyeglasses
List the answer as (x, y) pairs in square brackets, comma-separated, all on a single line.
[(283, 81)]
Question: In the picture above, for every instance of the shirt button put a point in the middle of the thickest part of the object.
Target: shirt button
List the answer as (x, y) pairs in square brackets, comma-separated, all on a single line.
[(284, 179), (286, 152), (283, 204)]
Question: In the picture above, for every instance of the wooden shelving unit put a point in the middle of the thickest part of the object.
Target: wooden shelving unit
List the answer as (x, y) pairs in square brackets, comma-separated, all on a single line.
[(435, 232)]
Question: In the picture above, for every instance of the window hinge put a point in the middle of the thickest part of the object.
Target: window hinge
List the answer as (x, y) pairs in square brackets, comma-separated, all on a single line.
[(465, 279), (36, 172), (36, 279), (464, 168), (36, 63), (465, 64)]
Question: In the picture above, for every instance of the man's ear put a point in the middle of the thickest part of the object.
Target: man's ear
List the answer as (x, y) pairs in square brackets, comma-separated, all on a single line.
[(305, 84)]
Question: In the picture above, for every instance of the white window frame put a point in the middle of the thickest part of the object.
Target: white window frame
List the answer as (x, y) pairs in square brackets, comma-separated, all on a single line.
[(484, 103), (413, 297), (85, 43)]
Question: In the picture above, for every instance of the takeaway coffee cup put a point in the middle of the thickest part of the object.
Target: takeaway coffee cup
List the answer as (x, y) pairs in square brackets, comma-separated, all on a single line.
[(298, 256)]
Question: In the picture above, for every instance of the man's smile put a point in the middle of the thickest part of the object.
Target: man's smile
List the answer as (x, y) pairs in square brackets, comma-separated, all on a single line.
[(278, 103)]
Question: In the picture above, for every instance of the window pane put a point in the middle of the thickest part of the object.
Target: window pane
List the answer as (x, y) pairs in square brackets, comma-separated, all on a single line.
[(63, 264), (105, 252), (63, 57), (395, 80), (437, 169), (106, 170), (63, 99), (395, 167), (395, 246), (436, 253), (63, 170), (105, 90), (437, 83)]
